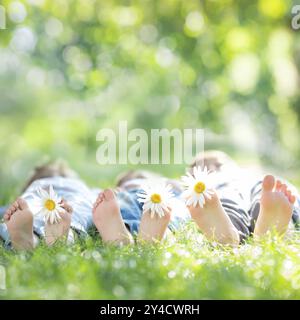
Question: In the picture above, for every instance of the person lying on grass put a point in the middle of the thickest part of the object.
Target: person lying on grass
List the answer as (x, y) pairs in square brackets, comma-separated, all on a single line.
[(237, 206), (56, 204), (240, 204)]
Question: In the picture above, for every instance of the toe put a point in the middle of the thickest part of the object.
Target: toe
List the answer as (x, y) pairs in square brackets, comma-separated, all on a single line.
[(100, 196), (95, 205), (292, 199), (278, 185), (268, 183), (284, 188), (167, 215), (11, 210), (22, 204), (98, 201), (8, 212), (14, 206), (109, 194), (66, 206), (213, 198)]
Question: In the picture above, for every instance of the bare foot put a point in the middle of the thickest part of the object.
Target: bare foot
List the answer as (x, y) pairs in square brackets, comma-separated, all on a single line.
[(19, 222), (214, 222), (56, 231), (153, 229), (276, 207), (108, 220)]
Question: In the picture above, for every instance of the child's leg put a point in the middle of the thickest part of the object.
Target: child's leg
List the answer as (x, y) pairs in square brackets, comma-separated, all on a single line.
[(214, 222), (108, 220), (274, 207)]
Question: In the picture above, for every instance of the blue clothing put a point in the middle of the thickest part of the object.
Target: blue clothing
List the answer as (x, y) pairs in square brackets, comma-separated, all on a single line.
[(74, 191), (239, 196), (82, 198)]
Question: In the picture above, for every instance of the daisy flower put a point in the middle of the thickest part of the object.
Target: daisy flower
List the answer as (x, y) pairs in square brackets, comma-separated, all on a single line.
[(49, 205), (156, 197), (198, 187)]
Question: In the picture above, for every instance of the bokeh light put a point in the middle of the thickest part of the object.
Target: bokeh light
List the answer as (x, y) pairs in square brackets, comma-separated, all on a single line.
[(70, 67)]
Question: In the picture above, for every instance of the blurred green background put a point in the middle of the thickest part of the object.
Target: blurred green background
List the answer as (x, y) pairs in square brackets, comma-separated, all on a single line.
[(71, 67)]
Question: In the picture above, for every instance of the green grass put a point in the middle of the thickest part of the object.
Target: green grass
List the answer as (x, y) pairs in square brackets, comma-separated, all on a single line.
[(186, 267)]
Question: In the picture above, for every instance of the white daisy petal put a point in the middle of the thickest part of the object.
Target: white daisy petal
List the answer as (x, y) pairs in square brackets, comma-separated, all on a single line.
[(48, 204), (202, 200), (189, 201), (156, 196), (160, 211), (147, 206), (44, 193), (51, 192), (164, 206), (197, 186), (57, 217)]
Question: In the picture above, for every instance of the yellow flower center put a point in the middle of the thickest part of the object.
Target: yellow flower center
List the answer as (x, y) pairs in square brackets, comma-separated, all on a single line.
[(199, 187), (156, 198), (50, 205)]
